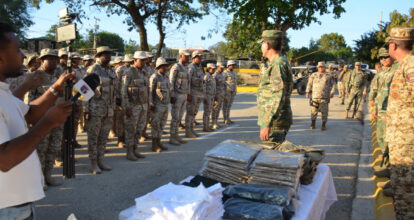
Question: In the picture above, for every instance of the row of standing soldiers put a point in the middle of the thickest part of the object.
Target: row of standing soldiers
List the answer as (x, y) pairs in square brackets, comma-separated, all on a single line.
[(136, 92)]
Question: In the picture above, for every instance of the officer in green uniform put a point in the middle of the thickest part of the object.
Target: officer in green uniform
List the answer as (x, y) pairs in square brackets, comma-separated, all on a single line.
[(275, 88), (356, 88)]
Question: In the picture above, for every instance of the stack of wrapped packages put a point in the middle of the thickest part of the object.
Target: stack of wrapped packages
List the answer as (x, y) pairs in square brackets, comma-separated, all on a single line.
[(277, 168), (230, 161), (178, 202)]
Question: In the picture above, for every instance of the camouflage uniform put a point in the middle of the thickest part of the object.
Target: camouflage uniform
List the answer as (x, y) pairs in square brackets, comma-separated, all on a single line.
[(52, 142), (273, 98), (210, 83), (135, 97), (219, 96), (119, 126), (159, 98), (356, 86), (180, 88), (101, 110), (345, 79), (400, 136), (197, 91), (230, 78), (321, 86)]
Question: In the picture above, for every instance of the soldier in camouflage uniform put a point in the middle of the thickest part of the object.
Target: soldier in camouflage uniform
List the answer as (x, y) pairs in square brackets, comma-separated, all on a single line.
[(344, 78), (275, 88), (159, 99), (210, 83), (322, 86), (118, 126), (63, 62), (87, 61), (135, 102), (219, 96), (180, 90), (100, 109), (356, 88), (52, 142), (400, 121), (149, 69), (230, 78), (197, 93)]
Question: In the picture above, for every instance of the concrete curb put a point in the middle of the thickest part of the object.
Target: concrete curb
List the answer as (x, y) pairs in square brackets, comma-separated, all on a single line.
[(363, 203)]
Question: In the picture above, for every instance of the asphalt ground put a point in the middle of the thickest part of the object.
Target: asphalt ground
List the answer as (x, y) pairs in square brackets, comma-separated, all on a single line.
[(104, 196)]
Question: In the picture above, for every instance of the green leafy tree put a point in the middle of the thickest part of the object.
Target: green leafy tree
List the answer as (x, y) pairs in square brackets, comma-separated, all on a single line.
[(112, 40), (334, 43), (131, 47), (16, 13)]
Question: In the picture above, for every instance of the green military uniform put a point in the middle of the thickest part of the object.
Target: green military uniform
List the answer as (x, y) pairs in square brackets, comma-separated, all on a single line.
[(273, 95), (356, 86)]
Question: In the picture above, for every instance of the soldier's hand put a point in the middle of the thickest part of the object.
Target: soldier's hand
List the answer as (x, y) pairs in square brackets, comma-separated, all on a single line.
[(332, 95), (189, 98), (365, 93), (33, 80), (307, 95), (173, 100), (58, 114), (128, 112), (86, 116), (59, 85), (264, 134), (347, 92)]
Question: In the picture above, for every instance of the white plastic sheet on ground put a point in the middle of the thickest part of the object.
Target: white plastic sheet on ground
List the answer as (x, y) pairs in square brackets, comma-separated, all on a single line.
[(179, 202)]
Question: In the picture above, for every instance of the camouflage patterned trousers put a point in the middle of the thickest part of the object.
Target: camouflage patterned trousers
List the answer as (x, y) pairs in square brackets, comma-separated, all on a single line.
[(135, 124), (208, 107), (177, 110), (227, 103), (192, 110), (341, 90), (48, 148), (354, 96), (158, 120), (380, 126), (402, 183), (218, 104), (98, 128), (322, 106), (77, 114), (280, 125), (119, 124)]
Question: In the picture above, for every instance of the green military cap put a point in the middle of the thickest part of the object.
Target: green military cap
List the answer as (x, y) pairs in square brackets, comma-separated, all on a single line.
[(270, 35), (357, 63), (383, 52), (401, 33)]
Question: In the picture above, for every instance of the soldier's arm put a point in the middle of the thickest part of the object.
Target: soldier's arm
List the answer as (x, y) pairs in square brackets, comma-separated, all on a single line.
[(374, 88), (332, 86), (126, 81), (310, 84), (152, 89), (173, 79)]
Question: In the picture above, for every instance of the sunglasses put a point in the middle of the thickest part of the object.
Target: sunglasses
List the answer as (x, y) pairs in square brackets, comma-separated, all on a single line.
[(384, 57)]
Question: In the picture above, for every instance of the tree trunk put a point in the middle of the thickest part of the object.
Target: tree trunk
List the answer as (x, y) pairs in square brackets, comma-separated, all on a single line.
[(160, 30), (139, 22)]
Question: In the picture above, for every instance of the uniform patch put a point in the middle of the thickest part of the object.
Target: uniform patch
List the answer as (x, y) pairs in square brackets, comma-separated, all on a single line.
[(410, 77)]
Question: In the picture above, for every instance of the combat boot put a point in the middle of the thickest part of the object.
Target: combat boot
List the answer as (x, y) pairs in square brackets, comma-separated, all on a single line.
[(215, 125), (181, 126), (136, 153), (173, 140), (180, 139), (353, 114), (195, 134), (188, 133), (323, 128), (346, 114), (130, 155), (155, 146), (103, 166), (384, 185), (382, 172), (49, 180), (121, 142), (162, 146), (312, 124), (94, 167), (205, 127), (196, 123), (388, 192)]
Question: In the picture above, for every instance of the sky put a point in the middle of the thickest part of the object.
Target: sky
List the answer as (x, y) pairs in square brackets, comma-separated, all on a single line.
[(360, 17)]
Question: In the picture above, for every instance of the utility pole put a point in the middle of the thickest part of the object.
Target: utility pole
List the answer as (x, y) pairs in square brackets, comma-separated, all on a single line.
[(381, 23), (95, 32)]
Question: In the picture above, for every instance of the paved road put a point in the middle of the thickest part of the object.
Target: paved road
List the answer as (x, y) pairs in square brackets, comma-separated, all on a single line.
[(104, 196)]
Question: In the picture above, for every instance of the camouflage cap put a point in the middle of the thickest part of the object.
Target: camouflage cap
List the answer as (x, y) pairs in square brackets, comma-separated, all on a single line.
[(220, 64), (48, 52), (129, 58), (270, 35), (184, 52), (401, 33), (383, 52), (357, 63), (140, 55), (196, 53), (321, 64), (118, 60), (75, 55), (161, 62), (87, 57), (211, 66), (62, 52), (231, 62), (29, 58), (103, 49), (149, 54)]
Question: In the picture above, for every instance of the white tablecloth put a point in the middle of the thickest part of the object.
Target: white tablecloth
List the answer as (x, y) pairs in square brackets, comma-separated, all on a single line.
[(315, 198)]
